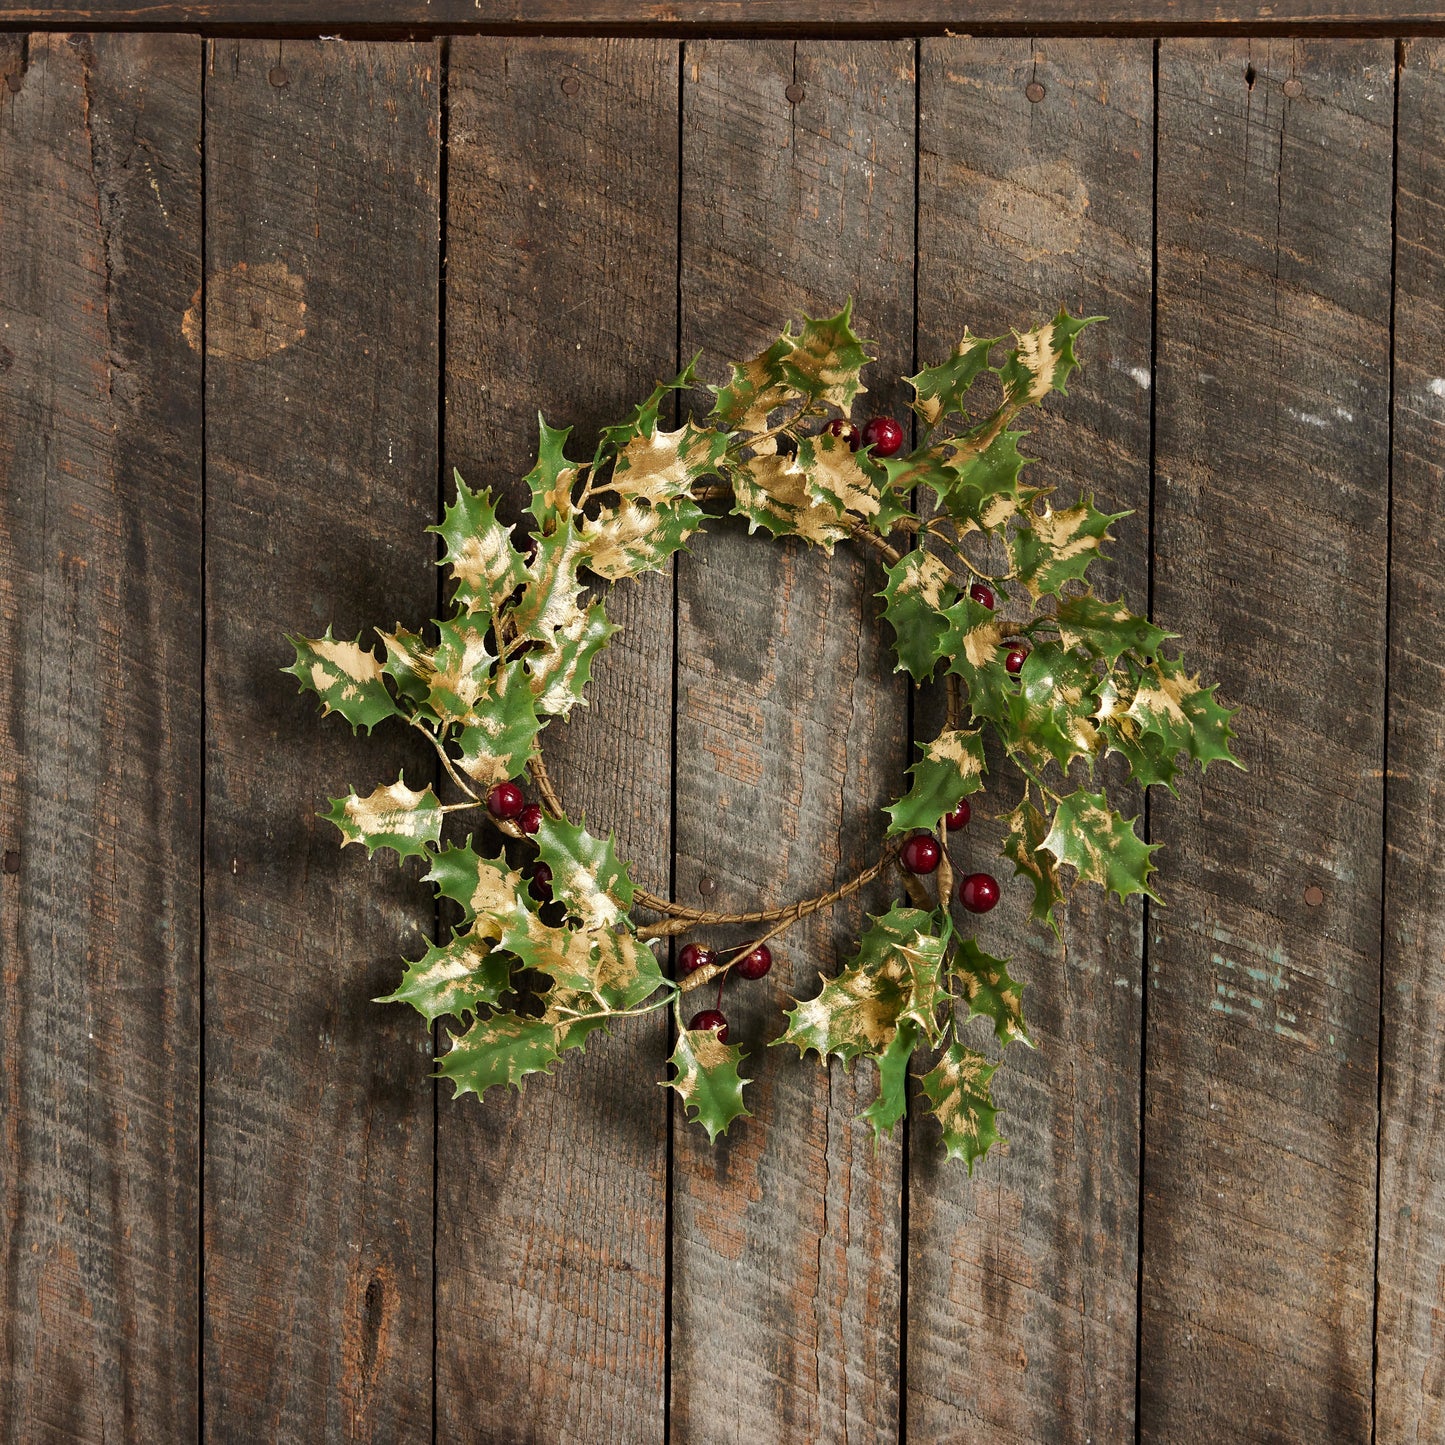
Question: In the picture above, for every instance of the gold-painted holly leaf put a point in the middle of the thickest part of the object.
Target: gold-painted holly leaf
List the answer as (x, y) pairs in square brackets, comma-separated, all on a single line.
[(460, 671), (771, 491), (551, 480), (1057, 547), (826, 360), (628, 539), (984, 492), (959, 1091), (617, 969), (1051, 712), (951, 768), (348, 678), (757, 389), (485, 568), (1183, 715), (1101, 845), (588, 878), (501, 1049), (894, 976), (1027, 830), (835, 478), (409, 665), (563, 669), (392, 817), (940, 391), (489, 890), (1042, 360), (655, 466), (454, 978), (549, 597), (705, 1075), (1107, 629), (918, 590), (892, 1102), (501, 728), (990, 993), (1151, 759), (642, 420)]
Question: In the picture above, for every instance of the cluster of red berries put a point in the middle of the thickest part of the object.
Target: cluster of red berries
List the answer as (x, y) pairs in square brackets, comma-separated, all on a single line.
[(753, 963), (883, 434), (507, 803), (922, 853)]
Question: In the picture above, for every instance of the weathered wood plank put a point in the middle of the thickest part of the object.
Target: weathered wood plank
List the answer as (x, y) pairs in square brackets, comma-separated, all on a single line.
[(791, 736), (829, 17), (322, 200), (1021, 1282), (1262, 1012), (561, 285), (1410, 1371), (100, 761)]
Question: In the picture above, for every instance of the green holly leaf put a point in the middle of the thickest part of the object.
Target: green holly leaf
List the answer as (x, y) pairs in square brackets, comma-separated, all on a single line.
[(972, 646), (771, 491), (1150, 757), (706, 1077), (1101, 845), (835, 477), (892, 1101), (563, 669), (485, 568), (984, 492), (826, 359), (1043, 360), (409, 665), (500, 728), (940, 391), (628, 539), (347, 677), (1183, 715), (1051, 713), (588, 878), (549, 598), (1107, 629), (616, 969), (1057, 547), (962, 1100), (488, 889), (392, 817), (1027, 830), (500, 1049), (893, 977), (918, 589), (951, 768), (551, 480), (454, 978), (991, 993)]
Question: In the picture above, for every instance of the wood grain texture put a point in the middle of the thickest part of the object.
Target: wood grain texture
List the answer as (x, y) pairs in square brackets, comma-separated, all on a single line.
[(1410, 1370), (322, 166), (561, 294), (1262, 1013), (1022, 1281), (100, 766), (791, 737), (832, 17)]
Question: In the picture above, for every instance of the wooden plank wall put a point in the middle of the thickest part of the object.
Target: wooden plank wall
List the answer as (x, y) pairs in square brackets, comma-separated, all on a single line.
[(258, 297)]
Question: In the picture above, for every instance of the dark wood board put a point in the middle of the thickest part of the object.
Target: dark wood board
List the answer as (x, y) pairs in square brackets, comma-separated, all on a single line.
[(322, 216), (561, 295), (1262, 1011), (1021, 1282), (791, 736), (841, 17), (100, 764), (1410, 1370)]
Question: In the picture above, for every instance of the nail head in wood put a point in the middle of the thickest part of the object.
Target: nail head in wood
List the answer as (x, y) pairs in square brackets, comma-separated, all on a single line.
[(1035, 91), (12, 861), (279, 76), (571, 85), (707, 887), (1293, 89), (795, 93), (1314, 895)]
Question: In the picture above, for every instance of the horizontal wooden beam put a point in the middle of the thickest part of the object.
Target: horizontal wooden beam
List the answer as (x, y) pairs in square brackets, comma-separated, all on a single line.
[(742, 17)]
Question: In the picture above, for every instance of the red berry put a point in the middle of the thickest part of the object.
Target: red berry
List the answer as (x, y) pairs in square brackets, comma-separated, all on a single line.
[(959, 817), (982, 593), (505, 801), (978, 892), (693, 957), (920, 854), (1014, 662), (884, 435), (710, 1018), (530, 818), (756, 963), (542, 881), (840, 427)]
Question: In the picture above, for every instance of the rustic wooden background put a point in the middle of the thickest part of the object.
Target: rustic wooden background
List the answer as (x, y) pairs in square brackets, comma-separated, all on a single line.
[(259, 294)]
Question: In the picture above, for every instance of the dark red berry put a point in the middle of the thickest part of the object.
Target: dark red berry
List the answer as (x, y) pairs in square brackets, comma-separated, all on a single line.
[(845, 429), (542, 881), (884, 435), (978, 892), (920, 854), (710, 1018), (693, 957), (1014, 662), (982, 593), (755, 963), (506, 801), (959, 817), (530, 818)]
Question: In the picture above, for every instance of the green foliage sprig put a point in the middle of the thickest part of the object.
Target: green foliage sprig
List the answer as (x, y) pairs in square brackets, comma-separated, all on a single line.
[(985, 581)]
